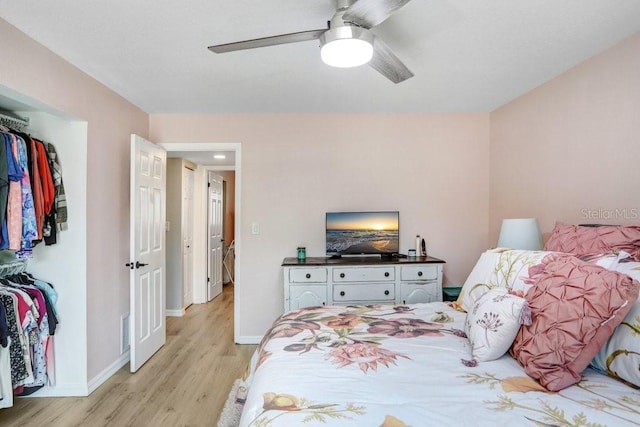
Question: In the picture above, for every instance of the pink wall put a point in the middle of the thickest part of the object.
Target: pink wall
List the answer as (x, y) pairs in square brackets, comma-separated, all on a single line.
[(569, 150), (38, 73), (433, 168)]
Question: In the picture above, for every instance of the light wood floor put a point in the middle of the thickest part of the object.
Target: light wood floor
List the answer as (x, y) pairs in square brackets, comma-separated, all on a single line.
[(185, 384)]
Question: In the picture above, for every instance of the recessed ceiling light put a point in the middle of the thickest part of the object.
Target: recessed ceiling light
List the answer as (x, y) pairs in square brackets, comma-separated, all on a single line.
[(219, 156)]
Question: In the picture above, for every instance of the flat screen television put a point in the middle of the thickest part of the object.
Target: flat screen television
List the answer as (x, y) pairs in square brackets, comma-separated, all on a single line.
[(362, 233)]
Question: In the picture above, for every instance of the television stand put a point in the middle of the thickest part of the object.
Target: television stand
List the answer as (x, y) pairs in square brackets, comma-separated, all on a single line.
[(361, 280)]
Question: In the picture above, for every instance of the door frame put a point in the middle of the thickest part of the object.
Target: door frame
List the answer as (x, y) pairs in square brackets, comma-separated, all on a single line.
[(187, 166), (237, 148)]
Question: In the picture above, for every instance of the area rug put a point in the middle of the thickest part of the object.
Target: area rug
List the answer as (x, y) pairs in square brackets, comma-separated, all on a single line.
[(230, 416)]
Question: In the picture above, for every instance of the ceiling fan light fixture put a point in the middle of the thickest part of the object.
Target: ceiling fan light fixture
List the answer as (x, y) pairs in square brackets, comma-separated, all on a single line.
[(346, 47)]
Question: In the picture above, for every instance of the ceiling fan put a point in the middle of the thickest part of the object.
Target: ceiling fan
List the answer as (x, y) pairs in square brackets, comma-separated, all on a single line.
[(348, 41)]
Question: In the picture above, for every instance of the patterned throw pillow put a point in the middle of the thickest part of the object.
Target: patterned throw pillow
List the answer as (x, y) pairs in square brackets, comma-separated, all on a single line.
[(493, 323), (619, 357), (575, 307), (511, 269)]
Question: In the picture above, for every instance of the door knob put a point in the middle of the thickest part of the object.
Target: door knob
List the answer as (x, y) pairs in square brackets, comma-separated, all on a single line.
[(140, 264), (130, 265)]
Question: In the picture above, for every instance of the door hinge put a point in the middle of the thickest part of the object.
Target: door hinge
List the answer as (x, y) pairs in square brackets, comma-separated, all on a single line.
[(208, 184), (208, 279)]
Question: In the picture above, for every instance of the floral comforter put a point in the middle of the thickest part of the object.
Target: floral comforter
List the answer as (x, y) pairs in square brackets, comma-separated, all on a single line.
[(398, 366)]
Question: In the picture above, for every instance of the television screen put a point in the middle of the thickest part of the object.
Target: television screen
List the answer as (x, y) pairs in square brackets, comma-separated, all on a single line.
[(362, 233)]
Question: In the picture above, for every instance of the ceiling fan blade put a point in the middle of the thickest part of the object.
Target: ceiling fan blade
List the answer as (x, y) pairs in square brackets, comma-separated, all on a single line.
[(301, 36), (387, 63), (369, 13)]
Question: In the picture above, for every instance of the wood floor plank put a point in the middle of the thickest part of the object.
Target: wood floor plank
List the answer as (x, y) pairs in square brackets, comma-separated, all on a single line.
[(185, 384)]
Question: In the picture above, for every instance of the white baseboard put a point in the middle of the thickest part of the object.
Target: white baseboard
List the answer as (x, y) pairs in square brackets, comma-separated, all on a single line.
[(174, 313), (107, 373), (249, 339), (82, 390), (63, 390)]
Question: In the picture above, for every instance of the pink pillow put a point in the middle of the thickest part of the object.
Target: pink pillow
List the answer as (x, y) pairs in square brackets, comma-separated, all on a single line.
[(575, 306), (581, 240)]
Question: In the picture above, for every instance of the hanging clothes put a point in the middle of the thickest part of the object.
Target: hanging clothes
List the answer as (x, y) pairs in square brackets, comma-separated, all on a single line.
[(32, 209), (33, 206), (27, 328), (29, 224), (36, 185), (48, 191), (14, 174), (20, 369), (14, 204), (4, 179), (60, 205), (48, 188)]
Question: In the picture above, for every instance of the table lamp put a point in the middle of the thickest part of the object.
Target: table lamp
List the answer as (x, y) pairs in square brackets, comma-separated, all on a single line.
[(520, 233)]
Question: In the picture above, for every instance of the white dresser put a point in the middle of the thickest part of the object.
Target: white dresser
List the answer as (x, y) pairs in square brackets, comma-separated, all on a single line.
[(361, 280)]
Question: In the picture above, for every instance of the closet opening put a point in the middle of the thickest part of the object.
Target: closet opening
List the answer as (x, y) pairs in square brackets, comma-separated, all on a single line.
[(65, 263)]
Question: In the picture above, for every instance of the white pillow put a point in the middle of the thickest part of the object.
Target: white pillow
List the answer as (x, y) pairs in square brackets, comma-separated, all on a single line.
[(493, 323), (619, 357), (477, 284)]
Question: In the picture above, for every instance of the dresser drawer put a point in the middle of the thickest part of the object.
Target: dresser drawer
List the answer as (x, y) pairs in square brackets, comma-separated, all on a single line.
[(415, 292), (419, 272), (364, 292), (308, 275), (364, 274)]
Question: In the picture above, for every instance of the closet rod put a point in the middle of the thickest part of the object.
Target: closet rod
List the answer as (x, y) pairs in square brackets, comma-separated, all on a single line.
[(12, 122)]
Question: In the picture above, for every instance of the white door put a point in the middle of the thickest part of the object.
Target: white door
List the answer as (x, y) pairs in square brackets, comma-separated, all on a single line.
[(187, 236), (147, 262), (214, 284)]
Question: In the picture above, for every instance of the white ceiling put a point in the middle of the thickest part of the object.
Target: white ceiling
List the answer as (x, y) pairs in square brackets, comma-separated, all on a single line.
[(467, 55), (206, 158)]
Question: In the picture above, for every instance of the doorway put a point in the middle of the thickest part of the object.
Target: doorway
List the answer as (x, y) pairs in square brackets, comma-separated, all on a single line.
[(202, 155)]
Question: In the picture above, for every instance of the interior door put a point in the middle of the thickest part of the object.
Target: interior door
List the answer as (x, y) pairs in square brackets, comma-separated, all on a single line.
[(214, 286), (147, 239), (187, 236)]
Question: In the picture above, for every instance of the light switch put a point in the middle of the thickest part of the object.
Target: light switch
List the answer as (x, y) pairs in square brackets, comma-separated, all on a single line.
[(255, 228)]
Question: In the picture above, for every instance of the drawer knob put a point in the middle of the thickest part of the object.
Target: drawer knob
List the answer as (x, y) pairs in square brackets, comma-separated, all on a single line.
[(308, 276), (342, 275), (419, 273), (386, 274), (342, 293), (386, 292)]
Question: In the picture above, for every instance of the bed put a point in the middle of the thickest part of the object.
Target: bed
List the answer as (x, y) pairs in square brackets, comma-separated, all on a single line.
[(426, 364)]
